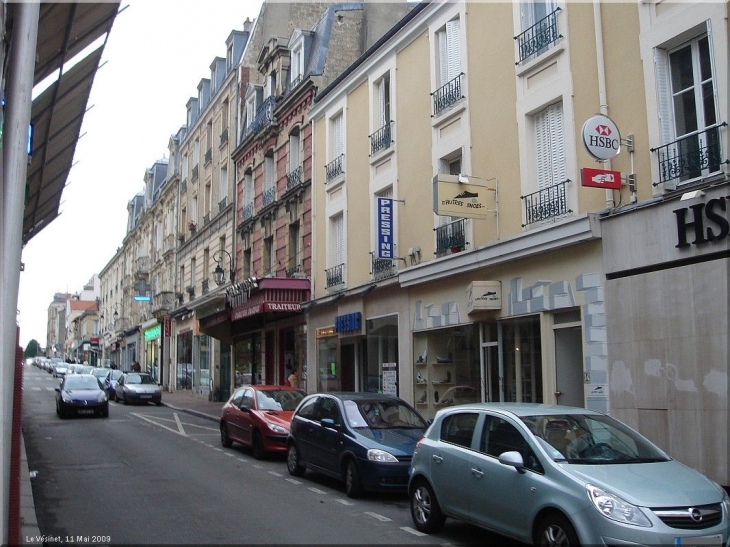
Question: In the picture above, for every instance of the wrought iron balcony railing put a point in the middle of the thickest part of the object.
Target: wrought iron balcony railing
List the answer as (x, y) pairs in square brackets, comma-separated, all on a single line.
[(195, 173), (247, 212), (692, 156), (335, 168), (268, 197), (224, 137), (294, 83), (538, 37), (264, 118), (294, 269), (204, 286), (294, 178), (545, 204), (382, 268), (381, 139), (206, 219), (222, 204), (335, 276), (208, 156), (451, 237), (448, 94)]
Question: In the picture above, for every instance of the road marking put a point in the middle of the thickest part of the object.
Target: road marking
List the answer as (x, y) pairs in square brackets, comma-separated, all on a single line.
[(257, 466), (35, 389), (317, 490), (294, 481), (381, 518), (412, 531), (344, 502), (179, 424), (216, 448), (230, 455), (145, 418), (275, 473)]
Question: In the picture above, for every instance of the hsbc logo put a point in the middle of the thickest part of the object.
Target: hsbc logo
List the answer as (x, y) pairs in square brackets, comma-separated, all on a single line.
[(601, 138), (603, 130)]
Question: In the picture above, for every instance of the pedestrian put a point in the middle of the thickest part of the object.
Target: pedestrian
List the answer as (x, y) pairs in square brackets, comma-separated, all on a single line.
[(293, 379), (136, 367)]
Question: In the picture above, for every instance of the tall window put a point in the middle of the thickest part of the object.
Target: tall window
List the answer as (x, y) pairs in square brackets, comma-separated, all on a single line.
[(337, 226), (194, 210), (248, 189), (208, 198), (539, 28), (185, 167), (268, 172), (338, 141), (293, 152), (550, 146), (224, 183), (196, 152), (192, 272), (224, 116), (383, 101), (294, 259), (449, 52), (269, 256)]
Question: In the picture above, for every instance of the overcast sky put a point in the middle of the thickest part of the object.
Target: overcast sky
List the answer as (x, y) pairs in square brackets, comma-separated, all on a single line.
[(156, 55)]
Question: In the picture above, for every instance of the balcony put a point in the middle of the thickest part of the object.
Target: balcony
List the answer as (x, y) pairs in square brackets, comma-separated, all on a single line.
[(698, 154), (168, 244), (163, 303), (294, 179), (382, 268), (204, 286), (548, 203), (247, 212), (208, 156), (335, 276), (191, 292), (224, 137), (451, 238), (195, 174), (222, 204), (268, 197), (335, 168), (142, 266), (294, 83), (538, 38), (206, 219), (293, 270), (447, 95), (264, 118), (381, 139)]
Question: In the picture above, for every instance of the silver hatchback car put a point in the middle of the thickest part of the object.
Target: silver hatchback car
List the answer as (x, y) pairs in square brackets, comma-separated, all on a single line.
[(556, 475)]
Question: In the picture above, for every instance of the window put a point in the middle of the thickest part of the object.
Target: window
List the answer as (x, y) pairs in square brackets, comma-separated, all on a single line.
[(381, 137), (185, 167), (539, 28), (335, 168), (384, 101), (293, 152), (499, 436), (294, 261), (224, 116), (224, 183), (687, 111), (208, 198), (269, 256), (194, 210), (550, 146), (247, 262), (459, 428), (196, 152), (449, 54), (192, 272), (268, 172), (297, 64), (338, 240)]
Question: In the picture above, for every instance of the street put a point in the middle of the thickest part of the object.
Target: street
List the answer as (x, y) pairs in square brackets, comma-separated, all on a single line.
[(152, 475)]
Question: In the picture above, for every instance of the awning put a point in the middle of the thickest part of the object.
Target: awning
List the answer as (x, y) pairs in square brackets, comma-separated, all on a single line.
[(64, 30)]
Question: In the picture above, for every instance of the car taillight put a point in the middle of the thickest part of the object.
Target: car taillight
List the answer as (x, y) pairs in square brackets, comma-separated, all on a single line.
[(419, 441)]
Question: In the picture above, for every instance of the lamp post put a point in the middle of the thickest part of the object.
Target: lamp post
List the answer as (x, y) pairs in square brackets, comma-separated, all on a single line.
[(219, 275)]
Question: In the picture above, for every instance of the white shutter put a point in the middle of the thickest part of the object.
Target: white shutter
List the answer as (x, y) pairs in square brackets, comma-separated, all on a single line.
[(381, 121), (337, 140), (293, 152), (542, 148), (557, 138), (338, 237), (664, 105), (443, 58), (453, 50)]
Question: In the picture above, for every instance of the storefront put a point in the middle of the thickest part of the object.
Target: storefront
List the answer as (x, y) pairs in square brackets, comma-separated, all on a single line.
[(130, 349), (667, 291), (153, 349)]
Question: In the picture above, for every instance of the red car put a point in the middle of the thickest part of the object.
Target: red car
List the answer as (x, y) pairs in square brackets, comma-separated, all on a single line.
[(259, 416)]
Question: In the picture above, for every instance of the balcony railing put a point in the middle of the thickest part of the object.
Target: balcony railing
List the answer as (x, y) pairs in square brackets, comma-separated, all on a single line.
[(538, 37), (294, 269), (184, 186), (545, 204), (382, 268), (447, 95), (247, 212), (268, 197), (294, 178), (168, 244), (206, 219), (222, 204), (195, 173), (381, 139), (692, 156), (451, 237), (264, 117), (224, 137), (208, 156), (335, 168), (335, 276), (294, 83), (204, 287)]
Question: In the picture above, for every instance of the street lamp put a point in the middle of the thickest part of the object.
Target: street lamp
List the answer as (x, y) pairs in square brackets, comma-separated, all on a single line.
[(219, 275)]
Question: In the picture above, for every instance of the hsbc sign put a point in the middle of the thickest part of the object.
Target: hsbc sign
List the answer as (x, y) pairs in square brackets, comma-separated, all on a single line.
[(601, 138)]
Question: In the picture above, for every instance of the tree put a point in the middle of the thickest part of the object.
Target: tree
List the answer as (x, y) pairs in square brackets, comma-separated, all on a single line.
[(33, 349)]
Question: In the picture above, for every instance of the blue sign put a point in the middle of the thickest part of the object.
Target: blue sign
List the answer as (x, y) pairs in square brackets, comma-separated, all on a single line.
[(348, 322), (385, 228)]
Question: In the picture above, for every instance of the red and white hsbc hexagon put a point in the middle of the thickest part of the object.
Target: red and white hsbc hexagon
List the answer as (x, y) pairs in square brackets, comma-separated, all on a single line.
[(601, 138)]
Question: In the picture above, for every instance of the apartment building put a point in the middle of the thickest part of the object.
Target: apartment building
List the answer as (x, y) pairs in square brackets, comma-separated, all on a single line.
[(56, 325), (112, 314)]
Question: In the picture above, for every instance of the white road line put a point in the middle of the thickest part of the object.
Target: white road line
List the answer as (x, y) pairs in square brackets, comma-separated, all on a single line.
[(141, 417), (179, 424), (216, 448), (230, 455), (412, 531), (344, 502), (381, 518), (35, 389), (317, 490), (294, 481), (258, 466), (50, 389)]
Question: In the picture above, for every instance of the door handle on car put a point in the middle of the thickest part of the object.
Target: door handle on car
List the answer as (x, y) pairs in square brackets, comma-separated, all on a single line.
[(477, 473), (437, 458)]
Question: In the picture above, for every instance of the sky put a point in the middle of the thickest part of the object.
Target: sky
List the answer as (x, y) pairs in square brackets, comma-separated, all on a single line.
[(156, 54)]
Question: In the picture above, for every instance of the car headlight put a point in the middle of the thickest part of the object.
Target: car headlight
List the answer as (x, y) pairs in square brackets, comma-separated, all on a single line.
[(277, 428), (102, 398), (66, 398), (725, 499), (377, 455), (614, 508)]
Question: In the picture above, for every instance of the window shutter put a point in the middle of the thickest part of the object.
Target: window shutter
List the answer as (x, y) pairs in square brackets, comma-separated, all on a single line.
[(337, 141), (453, 50), (339, 244), (443, 58), (381, 104), (664, 104), (542, 148), (557, 138)]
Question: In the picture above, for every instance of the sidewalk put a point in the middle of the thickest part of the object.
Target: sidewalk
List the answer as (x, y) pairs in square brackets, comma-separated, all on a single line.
[(190, 403)]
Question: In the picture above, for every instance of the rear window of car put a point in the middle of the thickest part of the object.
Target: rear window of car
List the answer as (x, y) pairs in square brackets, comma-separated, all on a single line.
[(458, 428)]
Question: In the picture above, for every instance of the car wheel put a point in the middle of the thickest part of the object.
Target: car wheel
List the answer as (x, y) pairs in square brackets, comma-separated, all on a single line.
[(225, 439), (293, 464), (353, 484), (257, 446), (556, 531), (425, 510)]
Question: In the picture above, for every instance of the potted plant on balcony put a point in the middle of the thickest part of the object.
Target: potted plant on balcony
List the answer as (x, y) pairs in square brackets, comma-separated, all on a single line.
[(191, 225)]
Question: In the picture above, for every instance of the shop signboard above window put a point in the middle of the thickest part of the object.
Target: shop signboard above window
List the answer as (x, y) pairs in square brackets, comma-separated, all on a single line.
[(484, 295), (349, 322), (459, 196)]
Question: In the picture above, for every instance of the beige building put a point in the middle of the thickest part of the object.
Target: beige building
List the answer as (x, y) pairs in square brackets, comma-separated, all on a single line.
[(111, 308)]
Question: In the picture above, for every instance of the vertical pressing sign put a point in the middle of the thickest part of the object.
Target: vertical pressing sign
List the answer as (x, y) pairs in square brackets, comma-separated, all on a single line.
[(385, 228)]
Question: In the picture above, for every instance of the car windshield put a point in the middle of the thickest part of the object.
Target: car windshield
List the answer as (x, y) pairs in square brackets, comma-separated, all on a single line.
[(281, 399), (382, 414), (138, 379), (592, 439), (100, 372), (81, 382), (115, 374)]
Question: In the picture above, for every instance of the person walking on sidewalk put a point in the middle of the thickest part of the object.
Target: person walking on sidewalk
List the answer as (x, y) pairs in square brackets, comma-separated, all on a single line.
[(293, 379)]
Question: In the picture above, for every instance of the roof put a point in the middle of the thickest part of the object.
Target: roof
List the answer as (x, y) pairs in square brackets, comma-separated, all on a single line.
[(521, 409), (64, 30), (79, 305)]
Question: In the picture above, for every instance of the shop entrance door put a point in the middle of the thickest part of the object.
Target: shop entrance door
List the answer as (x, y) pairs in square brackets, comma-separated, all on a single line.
[(569, 366), (225, 372), (348, 356)]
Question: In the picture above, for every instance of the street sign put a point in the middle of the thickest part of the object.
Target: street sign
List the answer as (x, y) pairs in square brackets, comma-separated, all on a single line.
[(600, 178)]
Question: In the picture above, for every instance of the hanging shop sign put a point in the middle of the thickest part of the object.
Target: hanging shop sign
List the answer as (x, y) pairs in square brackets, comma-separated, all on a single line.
[(153, 333), (349, 322), (167, 327), (601, 138), (326, 332), (458, 196), (600, 178), (385, 228), (484, 295)]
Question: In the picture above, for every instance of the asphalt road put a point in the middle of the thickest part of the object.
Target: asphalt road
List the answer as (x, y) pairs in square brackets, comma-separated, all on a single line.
[(152, 475)]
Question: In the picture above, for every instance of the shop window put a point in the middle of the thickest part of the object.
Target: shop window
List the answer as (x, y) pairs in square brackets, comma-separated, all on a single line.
[(184, 361), (380, 370), (522, 360), (329, 370)]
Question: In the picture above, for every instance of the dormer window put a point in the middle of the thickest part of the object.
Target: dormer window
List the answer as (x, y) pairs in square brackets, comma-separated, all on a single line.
[(229, 57)]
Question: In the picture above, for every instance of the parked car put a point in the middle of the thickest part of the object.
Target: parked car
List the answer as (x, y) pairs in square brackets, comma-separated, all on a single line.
[(138, 387), (100, 374), (110, 383), (364, 439), (259, 416), (81, 394), (59, 368), (556, 475)]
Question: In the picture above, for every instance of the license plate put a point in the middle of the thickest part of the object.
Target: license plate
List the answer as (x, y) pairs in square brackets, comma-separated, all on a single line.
[(87, 411), (700, 541), (145, 396)]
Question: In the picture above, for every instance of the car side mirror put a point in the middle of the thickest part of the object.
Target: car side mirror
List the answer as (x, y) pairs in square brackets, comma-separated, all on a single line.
[(329, 423), (245, 408), (58, 388), (514, 459)]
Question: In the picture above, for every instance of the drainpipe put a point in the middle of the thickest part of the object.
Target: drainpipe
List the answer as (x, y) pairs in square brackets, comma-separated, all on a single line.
[(601, 68)]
